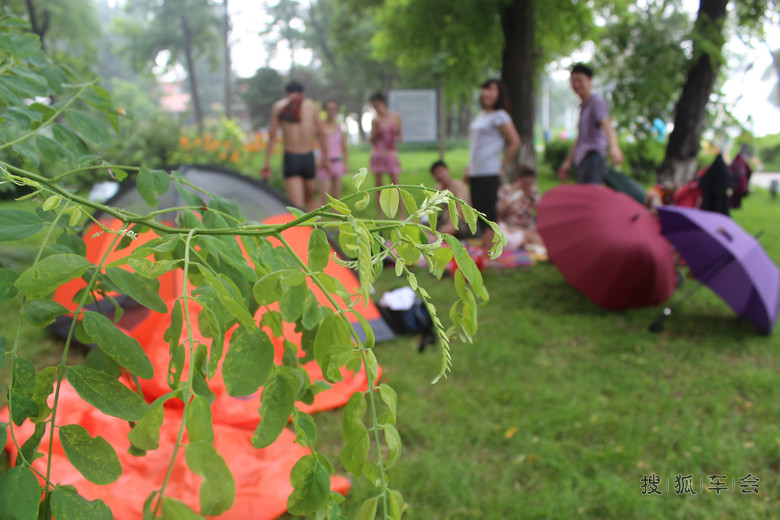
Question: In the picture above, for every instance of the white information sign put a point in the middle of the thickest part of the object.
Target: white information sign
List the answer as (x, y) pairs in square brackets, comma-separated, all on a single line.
[(418, 109)]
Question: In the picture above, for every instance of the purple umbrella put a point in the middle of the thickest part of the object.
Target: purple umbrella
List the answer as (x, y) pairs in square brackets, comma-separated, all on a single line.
[(727, 259)]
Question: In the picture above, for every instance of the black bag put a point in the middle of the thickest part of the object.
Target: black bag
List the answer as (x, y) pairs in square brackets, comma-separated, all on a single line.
[(411, 321)]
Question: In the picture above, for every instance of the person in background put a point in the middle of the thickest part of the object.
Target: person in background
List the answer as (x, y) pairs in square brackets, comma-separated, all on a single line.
[(301, 125), (740, 172), (441, 173), (494, 143), (338, 156), (517, 212), (594, 133), (385, 136)]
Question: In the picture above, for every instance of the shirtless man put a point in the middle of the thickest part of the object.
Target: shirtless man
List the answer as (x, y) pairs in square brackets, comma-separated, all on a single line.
[(301, 126)]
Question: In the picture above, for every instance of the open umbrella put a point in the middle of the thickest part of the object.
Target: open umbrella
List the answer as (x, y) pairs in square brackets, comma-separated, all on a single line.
[(607, 246), (727, 259)]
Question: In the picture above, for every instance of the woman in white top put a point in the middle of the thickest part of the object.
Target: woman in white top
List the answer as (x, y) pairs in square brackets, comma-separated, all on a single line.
[(491, 133)]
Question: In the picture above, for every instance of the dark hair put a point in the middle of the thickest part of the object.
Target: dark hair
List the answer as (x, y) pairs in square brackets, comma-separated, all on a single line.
[(378, 96), (581, 68), (331, 100), (293, 87), (437, 164), (503, 94)]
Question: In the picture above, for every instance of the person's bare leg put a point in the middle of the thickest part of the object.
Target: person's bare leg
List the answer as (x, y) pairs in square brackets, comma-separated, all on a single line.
[(294, 188), (335, 187), (324, 191), (308, 195)]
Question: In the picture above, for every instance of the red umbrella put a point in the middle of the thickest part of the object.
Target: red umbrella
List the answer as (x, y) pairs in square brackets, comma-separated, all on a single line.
[(607, 246)]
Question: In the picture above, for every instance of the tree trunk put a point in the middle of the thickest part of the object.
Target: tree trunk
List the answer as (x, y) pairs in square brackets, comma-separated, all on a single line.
[(185, 27), (228, 67), (39, 27), (679, 164), (517, 71)]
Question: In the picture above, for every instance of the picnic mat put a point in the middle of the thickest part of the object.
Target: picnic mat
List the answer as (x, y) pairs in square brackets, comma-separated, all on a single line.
[(509, 258)]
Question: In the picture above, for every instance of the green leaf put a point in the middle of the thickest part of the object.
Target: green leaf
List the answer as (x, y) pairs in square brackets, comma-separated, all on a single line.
[(199, 421), (439, 260), (17, 224), (69, 139), (248, 361), (47, 275), (144, 291), (229, 298), (44, 386), (40, 313), (98, 360), (367, 510), (355, 452), (388, 201), (291, 302), (120, 347), (173, 509), (67, 504), (470, 216), (409, 202), (310, 479), (74, 243), (319, 250), (218, 489), (337, 205), (146, 432), (273, 320), (173, 332), (268, 289), (278, 400), (363, 202), (393, 441), (28, 451), (23, 390), (452, 207), (7, 280), (93, 457), (305, 429), (395, 504), (333, 332), (151, 183), (106, 394), (390, 398), (19, 487), (90, 128), (51, 150), (465, 263), (359, 177)]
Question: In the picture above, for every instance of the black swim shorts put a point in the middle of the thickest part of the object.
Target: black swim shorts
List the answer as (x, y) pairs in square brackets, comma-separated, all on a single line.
[(299, 165)]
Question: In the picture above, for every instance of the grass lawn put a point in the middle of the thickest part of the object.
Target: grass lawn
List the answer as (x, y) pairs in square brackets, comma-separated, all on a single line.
[(559, 409)]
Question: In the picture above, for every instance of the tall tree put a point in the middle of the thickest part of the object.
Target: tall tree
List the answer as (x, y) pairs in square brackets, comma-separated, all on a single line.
[(286, 26), (228, 63), (471, 38), (186, 29), (641, 43), (260, 92), (680, 161)]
